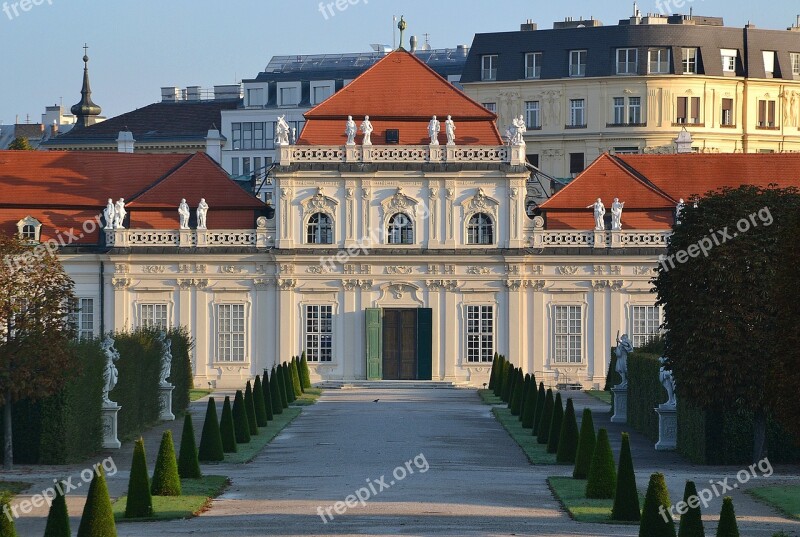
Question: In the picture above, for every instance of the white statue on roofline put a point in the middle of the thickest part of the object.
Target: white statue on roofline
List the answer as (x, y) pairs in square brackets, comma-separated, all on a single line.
[(450, 130), (599, 213), (366, 129), (282, 131), (183, 214), (616, 214), (119, 214), (108, 214), (434, 128), (202, 213), (350, 131)]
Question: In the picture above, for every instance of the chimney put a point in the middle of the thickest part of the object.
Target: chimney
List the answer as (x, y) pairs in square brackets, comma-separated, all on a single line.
[(683, 142), (214, 144), (462, 50), (170, 94), (193, 93), (528, 26), (125, 142)]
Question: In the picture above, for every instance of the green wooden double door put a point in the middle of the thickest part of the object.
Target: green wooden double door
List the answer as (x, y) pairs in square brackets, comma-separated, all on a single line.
[(399, 343)]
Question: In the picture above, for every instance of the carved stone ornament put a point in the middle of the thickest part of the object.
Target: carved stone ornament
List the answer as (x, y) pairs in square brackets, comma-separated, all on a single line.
[(320, 202)]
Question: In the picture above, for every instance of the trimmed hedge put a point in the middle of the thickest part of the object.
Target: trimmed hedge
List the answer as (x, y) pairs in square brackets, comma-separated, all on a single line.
[(250, 409), (626, 498), (602, 481), (275, 392), (139, 369), (727, 520), (516, 395), (645, 392), (57, 518), (240, 423), (188, 462), (296, 383), (227, 429), (692, 519), (166, 481), (653, 524), (537, 415), (181, 375), (586, 442), (555, 425), (210, 437), (140, 500), (98, 516), (529, 409), (547, 418), (568, 436), (305, 372), (7, 527)]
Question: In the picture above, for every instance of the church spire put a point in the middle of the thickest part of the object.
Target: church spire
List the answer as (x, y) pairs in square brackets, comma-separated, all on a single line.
[(85, 111)]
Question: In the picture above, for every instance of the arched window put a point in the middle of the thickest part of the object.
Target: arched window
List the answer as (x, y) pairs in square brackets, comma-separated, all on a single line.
[(480, 229), (29, 229), (320, 229), (401, 230), (29, 232)]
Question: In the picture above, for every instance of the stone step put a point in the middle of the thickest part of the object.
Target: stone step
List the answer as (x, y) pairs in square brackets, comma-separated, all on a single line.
[(388, 384)]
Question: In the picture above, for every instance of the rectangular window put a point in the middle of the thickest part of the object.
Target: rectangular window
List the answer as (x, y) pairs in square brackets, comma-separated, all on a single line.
[(489, 67), (567, 335), (627, 59), (577, 63), (533, 65), (769, 62), (695, 117), (235, 166), (576, 163), (619, 110), (491, 107), (230, 333), (689, 61), (236, 134), (246, 166), (634, 110), (153, 316), (795, 56), (480, 333), (321, 93), (319, 333), (766, 114), (82, 317), (681, 110), (727, 113), (255, 97), (658, 60), (289, 97), (729, 60), (577, 116), (258, 135), (533, 159), (646, 322), (247, 136), (532, 115)]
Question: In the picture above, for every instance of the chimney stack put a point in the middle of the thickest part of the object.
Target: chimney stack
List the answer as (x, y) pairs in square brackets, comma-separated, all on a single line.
[(214, 144), (125, 142)]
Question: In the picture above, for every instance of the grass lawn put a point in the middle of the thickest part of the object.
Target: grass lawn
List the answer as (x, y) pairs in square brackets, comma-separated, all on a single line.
[(536, 453), (13, 487), (197, 495), (248, 452), (603, 395), (309, 397), (572, 495), (196, 394), (784, 499)]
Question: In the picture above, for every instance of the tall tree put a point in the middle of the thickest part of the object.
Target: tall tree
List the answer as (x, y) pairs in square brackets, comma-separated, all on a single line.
[(20, 143), (720, 290), (35, 301)]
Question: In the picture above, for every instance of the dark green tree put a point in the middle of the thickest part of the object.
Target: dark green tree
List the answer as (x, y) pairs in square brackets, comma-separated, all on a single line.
[(275, 391), (743, 315), (166, 481), (516, 398), (547, 418), (508, 384), (305, 373), (626, 497), (188, 463), (286, 375), (586, 442), (493, 373), (98, 516), (526, 386), (692, 519), (656, 519), (250, 409), (227, 429), (568, 436), (297, 386), (210, 438), (555, 425), (140, 501), (267, 397), (57, 518), (537, 416), (240, 424), (602, 481), (727, 520), (7, 527), (20, 143), (529, 410), (258, 401)]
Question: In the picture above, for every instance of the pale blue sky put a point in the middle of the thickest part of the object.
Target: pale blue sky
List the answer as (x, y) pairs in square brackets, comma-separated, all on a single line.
[(138, 46)]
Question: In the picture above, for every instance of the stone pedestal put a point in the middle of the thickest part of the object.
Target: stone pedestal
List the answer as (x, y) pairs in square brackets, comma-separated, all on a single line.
[(620, 405), (110, 440), (667, 428), (165, 402)]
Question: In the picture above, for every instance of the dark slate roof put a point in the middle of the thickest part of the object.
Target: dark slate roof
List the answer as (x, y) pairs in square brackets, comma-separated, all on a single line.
[(184, 120), (601, 43)]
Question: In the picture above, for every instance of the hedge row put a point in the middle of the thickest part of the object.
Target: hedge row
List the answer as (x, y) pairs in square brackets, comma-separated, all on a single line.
[(136, 392), (645, 393), (181, 375)]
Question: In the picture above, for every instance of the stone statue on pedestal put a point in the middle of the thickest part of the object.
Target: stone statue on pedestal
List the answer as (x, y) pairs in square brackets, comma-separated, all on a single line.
[(518, 130), (599, 213), (166, 358), (109, 213), (679, 210), (350, 131), (183, 214), (119, 214), (202, 213), (366, 129), (110, 373), (616, 214), (668, 381), (282, 131), (434, 127), (450, 130), (624, 348)]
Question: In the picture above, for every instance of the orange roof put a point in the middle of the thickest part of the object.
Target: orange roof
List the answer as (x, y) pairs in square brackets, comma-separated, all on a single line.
[(400, 92)]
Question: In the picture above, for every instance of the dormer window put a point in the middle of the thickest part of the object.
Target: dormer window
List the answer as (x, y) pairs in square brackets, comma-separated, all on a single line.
[(29, 229)]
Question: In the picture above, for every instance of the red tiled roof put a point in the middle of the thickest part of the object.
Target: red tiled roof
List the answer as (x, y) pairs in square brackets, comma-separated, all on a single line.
[(400, 92)]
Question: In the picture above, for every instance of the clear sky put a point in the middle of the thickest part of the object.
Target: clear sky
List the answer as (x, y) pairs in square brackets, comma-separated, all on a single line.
[(138, 46)]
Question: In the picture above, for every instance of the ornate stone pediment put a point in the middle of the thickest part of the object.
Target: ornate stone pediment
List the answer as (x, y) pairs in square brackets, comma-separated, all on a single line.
[(480, 203), (399, 202), (319, 202)]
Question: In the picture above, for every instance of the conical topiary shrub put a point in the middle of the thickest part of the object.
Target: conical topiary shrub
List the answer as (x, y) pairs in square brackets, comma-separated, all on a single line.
[(547, 417), (555, 425), (286, 375), (505, 378), (267, 397), (296, 384), (516, 398), (166, 481), (98, 517), (498, 375), (275, 392), (656, 519), (508, 384), (537, 415), (727, 520), (7, 527), (250, 408), (586, 442), (227, 430), (568, 437), (692, 519), (602, 481), (626, 497), (526, 386), (258, 401), (57, 518), (305, 372), (493, 373), (188, 463), (514, 373), (240, 425), (529, 408), (210, 438), (140, 501)]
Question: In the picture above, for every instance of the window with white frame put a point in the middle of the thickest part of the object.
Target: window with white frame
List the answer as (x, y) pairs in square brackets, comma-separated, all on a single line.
[(646, 322), (82, 317), (619, 110), (288, 96), (568, 335), (320, 229), (320, 93), (627, 59), (658, 60), (319, 333), (255, 97), (577, 113), (153, 316), (795, 57), (480, 334), (634, 110), (400, 229), (729, 60), (491, 107), (29, 229), (533, 117), (480, 229), (689, 61), (230, 333), (769, 62), (533, 65), (577, 63), (489, 67)]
